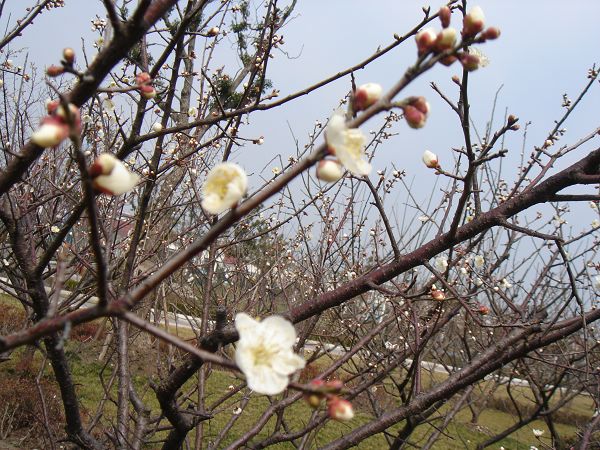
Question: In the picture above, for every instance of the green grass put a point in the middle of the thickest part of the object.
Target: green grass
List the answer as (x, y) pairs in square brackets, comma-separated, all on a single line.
[(459, 435)]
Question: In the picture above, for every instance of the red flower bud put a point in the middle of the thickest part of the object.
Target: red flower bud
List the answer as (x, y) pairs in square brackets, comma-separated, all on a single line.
[(445, 14), (339, 409), (425, 40), (147, 91), (491, 33), (469, 61), (483, 310), (54, 71), (143, 78)]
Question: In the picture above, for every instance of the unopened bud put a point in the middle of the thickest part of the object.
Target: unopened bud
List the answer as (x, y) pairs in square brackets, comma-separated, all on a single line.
[(438, 295), (512, 119), (314, 398), (69, 55), (425, 40), (430, 159), (473, 22), (339, 409), (142, 78), (456, 80), (51, 133), (366, 95), (515, 127), (54, 71), (491, 33), (147, 91), (414, 117), (445, 14), (214, 31), (483, 310), (448, 60), (329, 170), (445, 39)]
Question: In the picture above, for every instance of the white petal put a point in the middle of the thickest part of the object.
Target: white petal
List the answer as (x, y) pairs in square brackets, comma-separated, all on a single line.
[(281, 330), (266, 381), (244, 323), (286, 363)]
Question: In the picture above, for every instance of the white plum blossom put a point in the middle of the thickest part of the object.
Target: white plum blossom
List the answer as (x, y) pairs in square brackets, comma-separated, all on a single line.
[(441, 263), (506, 284), (225, 186), (348, 145), (111, 176), (192, 112), (597, 282), (54, 229), (156, 127), (264, 352), (479, 261), (537, 433)]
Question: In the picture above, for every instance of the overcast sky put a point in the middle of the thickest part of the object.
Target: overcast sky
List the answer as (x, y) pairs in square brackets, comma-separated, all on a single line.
[(545, 50)]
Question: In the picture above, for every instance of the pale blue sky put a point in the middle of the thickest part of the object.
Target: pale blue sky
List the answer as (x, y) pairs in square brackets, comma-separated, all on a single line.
[(545, 50)]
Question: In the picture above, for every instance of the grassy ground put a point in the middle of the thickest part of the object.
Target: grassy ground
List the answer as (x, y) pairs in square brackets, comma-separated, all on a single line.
[(83, 355)]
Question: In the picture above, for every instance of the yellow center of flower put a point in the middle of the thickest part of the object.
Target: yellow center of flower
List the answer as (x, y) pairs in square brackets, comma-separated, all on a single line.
[(354, 142), (263, 355), (218, 183)]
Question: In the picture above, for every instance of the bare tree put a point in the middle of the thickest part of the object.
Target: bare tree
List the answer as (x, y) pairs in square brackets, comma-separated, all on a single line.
[(484, 295)]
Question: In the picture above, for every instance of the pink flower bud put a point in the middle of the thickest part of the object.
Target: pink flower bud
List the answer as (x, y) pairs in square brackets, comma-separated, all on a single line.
[(469, 61), (51, 133), (414, 117), (438, 295), (430, 159), (329, 170), (421, 104), (445, 15), (483, 310), (147, 91), (446, 39), (366, 95), (491, 33), (473, 22), (339, 409), (425, 40), (54, 71), (142, 78)]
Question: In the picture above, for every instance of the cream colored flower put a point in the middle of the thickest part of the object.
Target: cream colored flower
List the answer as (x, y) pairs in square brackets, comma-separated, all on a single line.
[(54, 229), (225, 185), (479, 261), (111, 176), (156, 127), (537, 433), (597, 282), (441, 263), (348, 144), (264, 352)]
